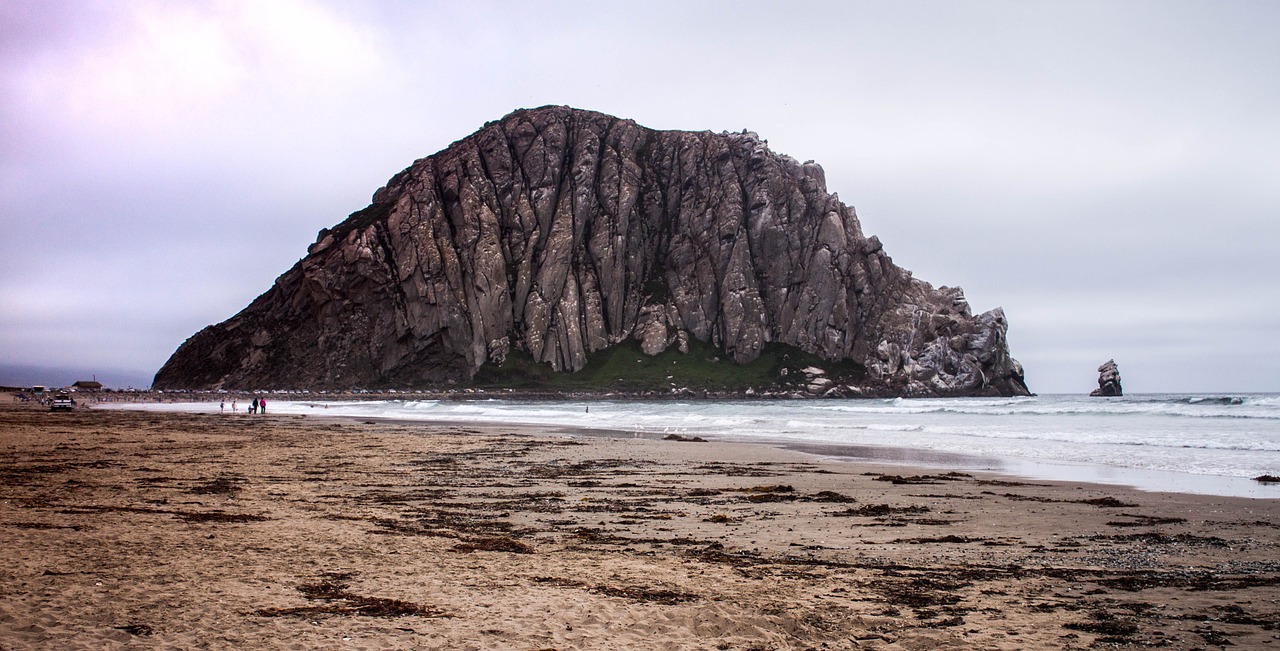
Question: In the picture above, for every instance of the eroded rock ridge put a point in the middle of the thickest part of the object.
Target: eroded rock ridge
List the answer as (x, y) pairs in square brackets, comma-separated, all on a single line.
[(559, 232), (1108, 381)]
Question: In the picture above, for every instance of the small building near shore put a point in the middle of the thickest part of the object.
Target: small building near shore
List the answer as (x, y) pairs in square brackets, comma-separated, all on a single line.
[(87, 385)]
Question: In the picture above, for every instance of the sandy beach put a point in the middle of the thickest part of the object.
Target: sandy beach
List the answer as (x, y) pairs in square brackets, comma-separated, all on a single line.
[(128, 529)]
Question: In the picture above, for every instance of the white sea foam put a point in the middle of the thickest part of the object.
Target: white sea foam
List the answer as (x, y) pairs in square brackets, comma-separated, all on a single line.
[(1228, 436)]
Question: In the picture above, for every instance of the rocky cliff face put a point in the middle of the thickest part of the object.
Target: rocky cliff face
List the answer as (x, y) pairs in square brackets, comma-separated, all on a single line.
[(561, 232), (1108, 381)]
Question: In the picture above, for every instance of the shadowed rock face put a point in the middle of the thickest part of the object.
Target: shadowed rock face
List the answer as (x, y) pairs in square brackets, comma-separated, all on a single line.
[(1108, 381), (561, 232)]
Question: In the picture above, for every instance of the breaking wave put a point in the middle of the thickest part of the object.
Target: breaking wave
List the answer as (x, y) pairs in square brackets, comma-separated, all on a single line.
[(1225, 435)]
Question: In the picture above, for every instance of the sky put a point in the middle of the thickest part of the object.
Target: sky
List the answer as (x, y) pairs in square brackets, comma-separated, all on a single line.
[(1107, 172)]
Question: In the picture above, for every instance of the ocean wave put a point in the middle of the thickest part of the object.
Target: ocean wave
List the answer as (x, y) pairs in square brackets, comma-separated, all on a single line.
[(962, 403), (1218, 400), (880, 427), (1108, 438), (1185, 433), (421, 404), (1243, 407)]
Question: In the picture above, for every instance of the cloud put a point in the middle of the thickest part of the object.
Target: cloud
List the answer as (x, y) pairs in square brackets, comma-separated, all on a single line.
[(160, 67), (164, 162)]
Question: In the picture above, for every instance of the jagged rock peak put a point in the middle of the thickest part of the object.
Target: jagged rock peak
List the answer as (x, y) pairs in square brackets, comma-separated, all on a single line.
[(558, 232), (1108, 380)]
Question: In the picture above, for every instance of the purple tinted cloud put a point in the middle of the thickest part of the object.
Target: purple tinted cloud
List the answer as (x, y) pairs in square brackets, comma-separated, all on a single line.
[(1104, 171)]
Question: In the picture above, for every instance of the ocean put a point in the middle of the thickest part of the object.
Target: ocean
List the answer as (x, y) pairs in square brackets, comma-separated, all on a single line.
[(1196, 443)]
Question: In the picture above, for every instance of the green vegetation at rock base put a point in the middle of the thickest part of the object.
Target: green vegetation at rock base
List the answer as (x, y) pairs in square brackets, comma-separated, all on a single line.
[(624, 367)]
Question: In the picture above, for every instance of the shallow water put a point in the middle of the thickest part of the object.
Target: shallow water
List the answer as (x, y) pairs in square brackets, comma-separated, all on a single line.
[(1200, 443)]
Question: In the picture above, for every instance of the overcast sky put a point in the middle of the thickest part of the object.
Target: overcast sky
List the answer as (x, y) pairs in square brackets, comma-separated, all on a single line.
[(1108, 172)]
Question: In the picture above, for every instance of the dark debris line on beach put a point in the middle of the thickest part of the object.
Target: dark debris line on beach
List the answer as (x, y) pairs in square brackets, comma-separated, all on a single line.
[(938, 596), (339, 600)]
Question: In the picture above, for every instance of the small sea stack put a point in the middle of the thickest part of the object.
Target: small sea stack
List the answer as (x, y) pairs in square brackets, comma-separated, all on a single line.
[(1108, 380)]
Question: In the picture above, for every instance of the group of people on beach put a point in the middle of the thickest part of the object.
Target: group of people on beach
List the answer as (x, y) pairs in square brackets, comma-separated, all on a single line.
[(259, 406)]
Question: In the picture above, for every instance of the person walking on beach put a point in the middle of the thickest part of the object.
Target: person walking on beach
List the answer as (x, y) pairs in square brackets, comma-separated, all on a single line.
[(262, 406), (233, 405), (222, 406), (253, 409)]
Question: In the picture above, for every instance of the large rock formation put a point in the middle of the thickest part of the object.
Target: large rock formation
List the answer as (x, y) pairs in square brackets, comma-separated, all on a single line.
[(1108, 381), (561, 232)]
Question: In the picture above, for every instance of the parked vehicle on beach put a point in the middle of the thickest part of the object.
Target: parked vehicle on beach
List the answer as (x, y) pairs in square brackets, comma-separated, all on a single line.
[(62, 402)]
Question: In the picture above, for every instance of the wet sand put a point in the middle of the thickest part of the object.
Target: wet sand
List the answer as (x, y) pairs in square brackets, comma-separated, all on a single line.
[(125, 529)]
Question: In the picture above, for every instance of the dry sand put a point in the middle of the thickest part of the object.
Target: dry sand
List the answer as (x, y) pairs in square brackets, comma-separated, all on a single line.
[(147, 530)]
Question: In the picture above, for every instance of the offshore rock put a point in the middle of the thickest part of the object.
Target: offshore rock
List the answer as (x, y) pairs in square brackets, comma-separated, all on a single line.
[(561, 232), (1108, 381)]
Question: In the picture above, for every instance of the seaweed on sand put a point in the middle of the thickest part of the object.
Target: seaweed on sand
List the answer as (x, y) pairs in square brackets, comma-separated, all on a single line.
[(219, 486), (341, 601), (140, 630), (880, 510), (187, 516), (219, 516), (666, 597), (770, 493), (922, 479), (634, 593), (1115, 630), (493, 544)]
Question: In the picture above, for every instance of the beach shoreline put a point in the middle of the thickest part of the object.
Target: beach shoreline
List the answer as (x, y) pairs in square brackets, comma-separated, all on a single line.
[(888, 450), (172, 529)]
